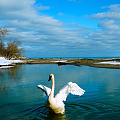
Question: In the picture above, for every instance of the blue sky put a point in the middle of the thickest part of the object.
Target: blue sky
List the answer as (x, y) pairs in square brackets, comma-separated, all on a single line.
[(64, 28)]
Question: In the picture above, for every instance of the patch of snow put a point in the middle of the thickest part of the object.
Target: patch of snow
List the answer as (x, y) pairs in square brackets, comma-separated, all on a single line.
[(60, 61), (110, 62), (6, 67), (5, 62)]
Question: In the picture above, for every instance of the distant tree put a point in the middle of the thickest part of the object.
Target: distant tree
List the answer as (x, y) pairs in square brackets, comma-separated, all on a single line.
[(3, 33), (11, 49)]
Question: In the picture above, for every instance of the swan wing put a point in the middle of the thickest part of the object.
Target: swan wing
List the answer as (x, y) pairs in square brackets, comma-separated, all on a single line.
[(44, 89), (72, 88), (75, 89)]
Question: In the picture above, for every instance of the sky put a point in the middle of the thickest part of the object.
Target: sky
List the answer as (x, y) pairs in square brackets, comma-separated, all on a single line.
[(63, 28)]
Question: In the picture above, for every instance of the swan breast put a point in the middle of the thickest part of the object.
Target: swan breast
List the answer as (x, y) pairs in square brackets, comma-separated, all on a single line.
[(56, 105)]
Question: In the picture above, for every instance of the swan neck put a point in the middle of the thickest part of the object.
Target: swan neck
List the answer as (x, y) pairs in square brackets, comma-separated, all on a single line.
[(53, 87)]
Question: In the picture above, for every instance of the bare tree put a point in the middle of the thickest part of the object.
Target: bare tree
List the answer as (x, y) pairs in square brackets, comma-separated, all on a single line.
[(3, 33), (11, 49)]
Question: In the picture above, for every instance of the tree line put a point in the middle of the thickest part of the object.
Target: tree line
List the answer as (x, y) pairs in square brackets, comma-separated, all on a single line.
[(9, 49)]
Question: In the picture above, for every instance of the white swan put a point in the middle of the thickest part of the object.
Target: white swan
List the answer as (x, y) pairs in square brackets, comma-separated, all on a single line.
[(56, 103)]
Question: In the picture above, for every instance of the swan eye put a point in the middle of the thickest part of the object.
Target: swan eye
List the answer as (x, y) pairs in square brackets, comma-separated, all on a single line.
[(50, 77)]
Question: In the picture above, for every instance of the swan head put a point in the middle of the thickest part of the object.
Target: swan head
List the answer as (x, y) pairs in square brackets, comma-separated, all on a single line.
[(51, 76)]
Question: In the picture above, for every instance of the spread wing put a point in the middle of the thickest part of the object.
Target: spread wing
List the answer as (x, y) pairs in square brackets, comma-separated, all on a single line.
[(44, 89), (72, 88)]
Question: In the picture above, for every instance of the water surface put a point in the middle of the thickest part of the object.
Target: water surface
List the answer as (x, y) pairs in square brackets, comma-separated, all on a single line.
[(20, 99)]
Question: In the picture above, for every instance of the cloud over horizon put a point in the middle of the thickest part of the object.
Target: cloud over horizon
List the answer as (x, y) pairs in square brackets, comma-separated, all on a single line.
[(44, 34)]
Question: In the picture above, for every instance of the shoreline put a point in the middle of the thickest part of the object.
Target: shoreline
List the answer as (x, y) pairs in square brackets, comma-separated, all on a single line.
[(99, 63)]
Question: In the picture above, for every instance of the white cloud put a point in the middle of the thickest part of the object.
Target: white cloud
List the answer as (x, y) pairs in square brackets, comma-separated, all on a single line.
[(109, 28), (113, 13), (43, 7), (26, 19), (49, 34), (109, 25)]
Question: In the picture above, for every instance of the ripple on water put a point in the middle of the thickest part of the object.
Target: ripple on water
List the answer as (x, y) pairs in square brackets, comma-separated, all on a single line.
[(80, 110), (39, 112), (74, 110), (93, 110), (35, 112)]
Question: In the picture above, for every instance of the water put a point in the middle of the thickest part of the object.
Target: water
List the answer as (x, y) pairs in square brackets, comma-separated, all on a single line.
[(20, 99), (110, 57)]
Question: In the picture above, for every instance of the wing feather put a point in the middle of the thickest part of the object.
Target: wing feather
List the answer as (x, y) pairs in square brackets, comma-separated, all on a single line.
[(72, 88), (44, 89)]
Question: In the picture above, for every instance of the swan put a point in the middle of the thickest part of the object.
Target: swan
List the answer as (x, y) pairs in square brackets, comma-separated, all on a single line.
[(56, 103)]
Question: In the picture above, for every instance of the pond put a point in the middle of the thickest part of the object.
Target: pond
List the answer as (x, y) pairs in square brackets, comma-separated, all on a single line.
[(20, 99)]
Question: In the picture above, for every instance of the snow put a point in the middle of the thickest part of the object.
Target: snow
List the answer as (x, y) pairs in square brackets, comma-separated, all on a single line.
[(110, 62), (6, 67), (4, 62), (60, 61)]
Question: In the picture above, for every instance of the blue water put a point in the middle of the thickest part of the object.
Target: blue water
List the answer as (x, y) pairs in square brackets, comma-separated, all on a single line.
[(20, 99), (114, 57)]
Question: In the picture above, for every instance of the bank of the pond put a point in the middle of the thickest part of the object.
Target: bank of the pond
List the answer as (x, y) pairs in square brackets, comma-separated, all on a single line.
[(104, 63), (6, 63)]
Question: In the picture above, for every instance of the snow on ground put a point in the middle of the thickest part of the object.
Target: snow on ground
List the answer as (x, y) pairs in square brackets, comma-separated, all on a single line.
[(6, 67), (4, 62), (60, 61), (110, 62)]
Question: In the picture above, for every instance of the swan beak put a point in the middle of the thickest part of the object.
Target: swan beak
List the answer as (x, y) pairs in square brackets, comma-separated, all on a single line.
[(50, 78)]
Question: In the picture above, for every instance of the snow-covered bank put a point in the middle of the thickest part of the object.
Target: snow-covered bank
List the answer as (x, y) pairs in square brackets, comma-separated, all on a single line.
[(59, 61), (3, 67), (5, 62), (109, 62)]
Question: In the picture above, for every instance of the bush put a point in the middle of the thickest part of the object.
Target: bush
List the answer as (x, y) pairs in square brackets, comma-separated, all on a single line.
[(11, 49)]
